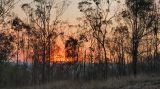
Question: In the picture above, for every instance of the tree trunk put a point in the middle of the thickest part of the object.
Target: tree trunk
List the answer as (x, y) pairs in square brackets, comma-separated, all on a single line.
[(106, 62), (17, 58), (44, 62), (49, 61), (135, 58)]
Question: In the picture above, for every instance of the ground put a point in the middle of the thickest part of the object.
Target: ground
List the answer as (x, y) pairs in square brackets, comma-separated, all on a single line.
[(130, 82)]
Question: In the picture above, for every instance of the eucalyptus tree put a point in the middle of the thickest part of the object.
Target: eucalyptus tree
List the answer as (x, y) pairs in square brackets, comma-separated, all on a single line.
[(120, 39), (155, 35), (6, 35), (5, 12), (39, 13), (71, 47), (97, 13), (140, 19), (17, 26)]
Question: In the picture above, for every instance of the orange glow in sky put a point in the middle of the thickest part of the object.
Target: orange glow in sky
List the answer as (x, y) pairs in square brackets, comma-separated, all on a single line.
[(58, 56)]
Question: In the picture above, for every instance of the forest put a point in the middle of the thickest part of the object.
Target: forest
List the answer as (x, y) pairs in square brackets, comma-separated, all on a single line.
[(108, 39)]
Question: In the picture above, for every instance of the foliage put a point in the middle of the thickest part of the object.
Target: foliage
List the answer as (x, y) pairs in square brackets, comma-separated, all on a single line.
[(6, 46), (71, 47)]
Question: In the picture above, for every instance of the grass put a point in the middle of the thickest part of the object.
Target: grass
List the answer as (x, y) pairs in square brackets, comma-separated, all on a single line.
[(130, 82)]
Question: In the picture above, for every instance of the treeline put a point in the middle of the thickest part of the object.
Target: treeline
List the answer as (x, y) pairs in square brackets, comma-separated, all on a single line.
[(122, 41)]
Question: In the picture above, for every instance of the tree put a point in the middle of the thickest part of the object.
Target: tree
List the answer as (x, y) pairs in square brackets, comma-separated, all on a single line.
[(121, 38), (5, 8), (140, 19), (6, 37), (6, 46), (40, 20), (155, 33), (96, 13), (71, 47)]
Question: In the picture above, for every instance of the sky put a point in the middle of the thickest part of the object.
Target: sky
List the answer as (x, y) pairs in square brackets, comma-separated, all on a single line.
[(71, 13)]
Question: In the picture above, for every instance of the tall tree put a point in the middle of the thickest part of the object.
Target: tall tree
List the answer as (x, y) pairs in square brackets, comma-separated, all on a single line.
[(140, 19), (120, 38), (5, 8), (156, 30), (97, 13), (40, 13), (6, 36)]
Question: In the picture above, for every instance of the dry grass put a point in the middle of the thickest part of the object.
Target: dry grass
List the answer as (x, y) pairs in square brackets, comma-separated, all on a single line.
[(140, 82)]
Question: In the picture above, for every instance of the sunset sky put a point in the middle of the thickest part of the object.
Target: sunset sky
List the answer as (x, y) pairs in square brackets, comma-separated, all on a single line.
[(71, 13)]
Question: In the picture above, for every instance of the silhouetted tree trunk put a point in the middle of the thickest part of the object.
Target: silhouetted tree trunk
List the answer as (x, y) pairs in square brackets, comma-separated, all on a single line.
[(97, 17), (106, 62), (139, 12), (135, 58)]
